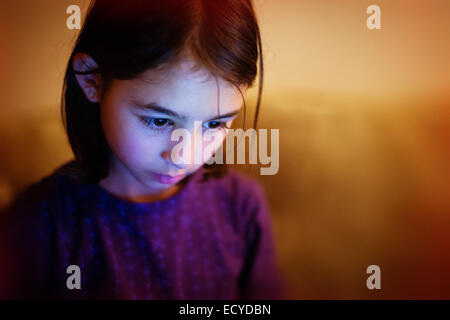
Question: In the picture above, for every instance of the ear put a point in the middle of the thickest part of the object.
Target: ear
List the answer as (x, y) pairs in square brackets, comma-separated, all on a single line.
[(90, 83)]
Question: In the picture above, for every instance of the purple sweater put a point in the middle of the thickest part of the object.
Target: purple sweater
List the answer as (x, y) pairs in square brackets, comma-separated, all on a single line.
[(211, 240)]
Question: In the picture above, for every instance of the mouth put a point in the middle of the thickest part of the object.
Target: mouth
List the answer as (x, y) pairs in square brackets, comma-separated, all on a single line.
[(167, 179)]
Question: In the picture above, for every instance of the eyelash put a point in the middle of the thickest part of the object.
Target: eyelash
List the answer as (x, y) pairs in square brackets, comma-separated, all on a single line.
[(151, 124)]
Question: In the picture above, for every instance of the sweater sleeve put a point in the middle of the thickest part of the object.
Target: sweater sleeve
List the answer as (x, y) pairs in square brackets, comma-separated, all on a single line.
[(260, 277), (25, 246)]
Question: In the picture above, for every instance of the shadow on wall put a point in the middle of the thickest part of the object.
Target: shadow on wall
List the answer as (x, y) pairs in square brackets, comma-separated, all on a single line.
[(359, 183)]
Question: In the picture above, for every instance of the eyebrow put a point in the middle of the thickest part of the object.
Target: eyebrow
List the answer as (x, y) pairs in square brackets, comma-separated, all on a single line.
[(160, 109)]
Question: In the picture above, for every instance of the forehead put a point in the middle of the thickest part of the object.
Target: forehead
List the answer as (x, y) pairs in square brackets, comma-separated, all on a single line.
[(187, 90)]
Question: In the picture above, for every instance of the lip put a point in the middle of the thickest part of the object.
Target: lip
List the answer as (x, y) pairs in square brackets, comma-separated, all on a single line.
[(166, 179)]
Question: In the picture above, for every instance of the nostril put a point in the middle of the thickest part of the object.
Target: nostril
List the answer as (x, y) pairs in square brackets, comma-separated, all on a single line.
[(166, 155)]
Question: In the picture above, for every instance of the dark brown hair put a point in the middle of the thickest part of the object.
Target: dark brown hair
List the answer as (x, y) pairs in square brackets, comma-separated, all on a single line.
[(126, 38)]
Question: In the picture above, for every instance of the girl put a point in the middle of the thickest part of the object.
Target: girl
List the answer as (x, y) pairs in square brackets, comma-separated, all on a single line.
[(124, 220)]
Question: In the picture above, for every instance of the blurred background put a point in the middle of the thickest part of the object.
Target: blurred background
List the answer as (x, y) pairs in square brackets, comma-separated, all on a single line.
[(364, 120)]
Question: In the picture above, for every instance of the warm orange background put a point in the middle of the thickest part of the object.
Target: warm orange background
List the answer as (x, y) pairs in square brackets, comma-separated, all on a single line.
[(364, 119)]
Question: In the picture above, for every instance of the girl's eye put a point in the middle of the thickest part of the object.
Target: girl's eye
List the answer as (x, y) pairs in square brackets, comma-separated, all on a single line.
[(215, 125), (157, 123)]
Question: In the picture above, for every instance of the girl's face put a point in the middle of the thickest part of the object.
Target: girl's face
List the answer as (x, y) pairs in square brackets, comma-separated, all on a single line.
[(138, 117)]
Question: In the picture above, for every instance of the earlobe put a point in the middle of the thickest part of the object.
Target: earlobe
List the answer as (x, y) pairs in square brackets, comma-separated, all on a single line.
[(84, 67)]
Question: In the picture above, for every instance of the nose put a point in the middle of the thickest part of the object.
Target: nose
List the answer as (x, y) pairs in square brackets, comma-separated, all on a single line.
[(167, 156), (186, 151), (184, 161)]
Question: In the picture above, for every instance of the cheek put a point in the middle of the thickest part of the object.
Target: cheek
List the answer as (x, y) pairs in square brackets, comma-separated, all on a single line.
[(138, 149), (129, 140)]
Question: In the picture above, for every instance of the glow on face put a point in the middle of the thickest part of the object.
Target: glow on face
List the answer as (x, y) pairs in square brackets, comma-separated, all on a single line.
[(139, 115)]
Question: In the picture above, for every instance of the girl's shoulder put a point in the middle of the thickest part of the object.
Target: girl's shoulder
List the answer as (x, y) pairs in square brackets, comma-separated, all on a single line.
[(42, 193), (28, 229), (63, 184)]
